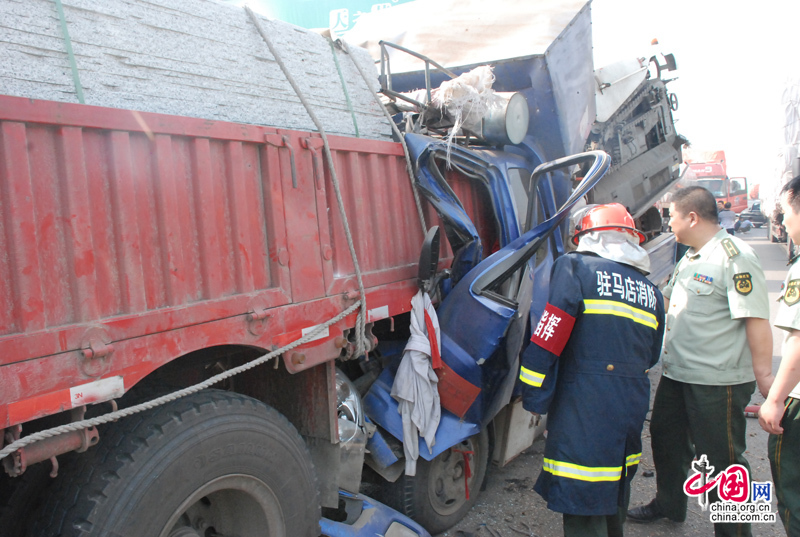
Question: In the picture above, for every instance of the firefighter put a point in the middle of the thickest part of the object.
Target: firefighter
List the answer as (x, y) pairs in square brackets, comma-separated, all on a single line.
[(587, 366)]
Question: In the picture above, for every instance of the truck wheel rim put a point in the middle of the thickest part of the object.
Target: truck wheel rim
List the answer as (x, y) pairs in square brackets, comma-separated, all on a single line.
[(238, 504), (447, 486)]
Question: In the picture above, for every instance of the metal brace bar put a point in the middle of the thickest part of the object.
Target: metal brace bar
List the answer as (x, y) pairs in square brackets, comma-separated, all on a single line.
[(386, 73), (277, 140), (312, 144)]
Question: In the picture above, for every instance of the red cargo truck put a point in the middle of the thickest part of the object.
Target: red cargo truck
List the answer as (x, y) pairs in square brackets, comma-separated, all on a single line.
[(164, 248), (709, 170)]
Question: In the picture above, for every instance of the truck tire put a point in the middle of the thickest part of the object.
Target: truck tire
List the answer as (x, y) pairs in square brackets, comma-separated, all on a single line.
[(436, 496), (207, 464), (21, 497)]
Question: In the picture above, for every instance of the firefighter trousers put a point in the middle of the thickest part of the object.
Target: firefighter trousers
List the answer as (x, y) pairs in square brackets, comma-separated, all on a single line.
[(594, 526), (693, 420), (784, 459), (598, 526)]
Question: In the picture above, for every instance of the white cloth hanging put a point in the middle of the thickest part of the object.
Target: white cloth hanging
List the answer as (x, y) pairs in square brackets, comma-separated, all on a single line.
[(415, 384)]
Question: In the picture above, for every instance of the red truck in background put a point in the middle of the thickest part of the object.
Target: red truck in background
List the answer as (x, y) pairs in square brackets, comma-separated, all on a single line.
[(709, 170)]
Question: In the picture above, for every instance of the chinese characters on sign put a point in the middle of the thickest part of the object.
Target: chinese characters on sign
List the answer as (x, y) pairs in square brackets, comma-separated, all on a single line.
[(339, 19)]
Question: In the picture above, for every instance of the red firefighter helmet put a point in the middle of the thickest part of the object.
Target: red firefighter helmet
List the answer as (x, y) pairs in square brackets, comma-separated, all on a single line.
[(609, 216)]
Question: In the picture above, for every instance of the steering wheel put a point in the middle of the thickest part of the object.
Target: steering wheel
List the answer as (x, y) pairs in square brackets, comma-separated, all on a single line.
[(673, 101)]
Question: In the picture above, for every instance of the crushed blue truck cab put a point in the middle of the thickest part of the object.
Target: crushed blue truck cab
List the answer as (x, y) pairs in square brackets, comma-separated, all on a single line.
[(369, 518)]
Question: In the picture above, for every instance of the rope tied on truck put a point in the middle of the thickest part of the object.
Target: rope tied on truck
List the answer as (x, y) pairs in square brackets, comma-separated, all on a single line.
[(149, 405), (409, 168), (344, 87), (362, 313), (76, 78)]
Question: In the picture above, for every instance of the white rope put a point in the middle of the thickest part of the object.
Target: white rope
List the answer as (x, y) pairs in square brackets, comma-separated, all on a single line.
[(362, 314), (125, 412), (409, 167)]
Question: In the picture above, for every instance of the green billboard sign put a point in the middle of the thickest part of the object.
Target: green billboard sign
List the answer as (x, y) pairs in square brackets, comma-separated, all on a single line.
[(339, 15)]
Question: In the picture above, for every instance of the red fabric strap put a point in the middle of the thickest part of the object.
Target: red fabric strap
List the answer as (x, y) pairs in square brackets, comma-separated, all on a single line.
[(455, 392), (467, 468), (553, 330), (436, 357)]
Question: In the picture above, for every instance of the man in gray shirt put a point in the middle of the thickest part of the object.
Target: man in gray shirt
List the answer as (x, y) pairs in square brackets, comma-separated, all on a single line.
[(727, 218)]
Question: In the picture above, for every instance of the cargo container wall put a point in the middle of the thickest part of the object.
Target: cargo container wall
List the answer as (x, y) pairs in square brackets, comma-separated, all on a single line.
[(99, 222)]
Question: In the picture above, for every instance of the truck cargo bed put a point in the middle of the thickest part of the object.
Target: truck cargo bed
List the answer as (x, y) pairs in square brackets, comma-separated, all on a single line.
[(130, 239)]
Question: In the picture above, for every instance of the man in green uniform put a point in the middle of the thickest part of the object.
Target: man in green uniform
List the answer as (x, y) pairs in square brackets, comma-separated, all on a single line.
[(718, 342), (780, 413)]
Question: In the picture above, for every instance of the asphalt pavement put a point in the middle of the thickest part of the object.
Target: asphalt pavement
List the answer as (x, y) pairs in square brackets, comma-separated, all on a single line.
[(510, 508)]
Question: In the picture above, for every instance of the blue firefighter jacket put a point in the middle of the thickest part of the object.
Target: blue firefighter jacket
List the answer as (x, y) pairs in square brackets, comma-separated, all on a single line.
[(587, 369)]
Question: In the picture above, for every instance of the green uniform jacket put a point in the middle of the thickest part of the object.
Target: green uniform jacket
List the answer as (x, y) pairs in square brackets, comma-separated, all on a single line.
[(711, 293)]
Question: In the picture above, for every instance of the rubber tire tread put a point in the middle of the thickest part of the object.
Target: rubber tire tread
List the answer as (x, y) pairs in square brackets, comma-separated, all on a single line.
[(100, 477), (409, 494), (22, 497)]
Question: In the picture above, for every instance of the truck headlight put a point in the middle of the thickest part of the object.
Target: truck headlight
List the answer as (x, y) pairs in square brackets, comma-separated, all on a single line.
[(349, 409)]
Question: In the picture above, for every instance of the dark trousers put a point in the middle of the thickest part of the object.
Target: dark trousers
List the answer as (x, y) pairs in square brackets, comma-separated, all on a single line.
[(593, 526), (599, 526), (784, 459), (693, 420)]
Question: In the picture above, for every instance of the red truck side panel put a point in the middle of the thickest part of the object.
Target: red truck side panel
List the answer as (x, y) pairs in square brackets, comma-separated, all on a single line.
[(379, 212), (129, 239), (119, 223)]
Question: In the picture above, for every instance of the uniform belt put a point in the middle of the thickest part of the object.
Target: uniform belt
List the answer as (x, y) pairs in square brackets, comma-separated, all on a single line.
[(611, 367)]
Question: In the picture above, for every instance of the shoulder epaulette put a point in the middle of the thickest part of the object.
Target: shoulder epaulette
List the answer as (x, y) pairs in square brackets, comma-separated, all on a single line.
[(730, 248)]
